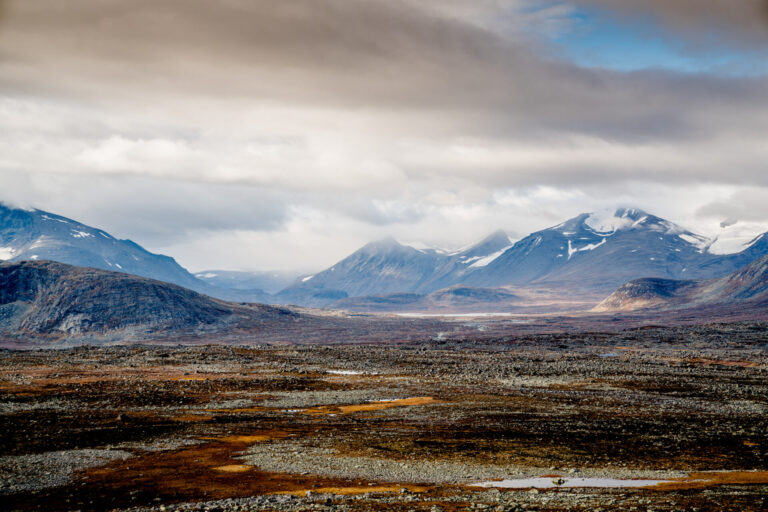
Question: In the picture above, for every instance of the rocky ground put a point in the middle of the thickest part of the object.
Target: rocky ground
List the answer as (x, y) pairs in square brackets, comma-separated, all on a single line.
[(397, 427)]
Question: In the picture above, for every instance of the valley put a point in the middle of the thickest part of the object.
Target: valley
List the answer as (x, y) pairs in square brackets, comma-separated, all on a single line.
[(411, 426)]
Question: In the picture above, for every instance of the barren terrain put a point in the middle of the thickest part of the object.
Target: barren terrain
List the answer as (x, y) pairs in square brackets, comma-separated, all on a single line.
[(649, 419)]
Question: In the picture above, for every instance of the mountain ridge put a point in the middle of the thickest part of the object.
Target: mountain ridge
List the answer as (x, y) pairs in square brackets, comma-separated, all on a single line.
[(748, 285), (32, 234), (589, 254)]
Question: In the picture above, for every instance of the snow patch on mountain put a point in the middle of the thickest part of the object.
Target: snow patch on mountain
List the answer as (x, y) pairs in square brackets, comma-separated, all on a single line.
[(610, 221), (46, 217), (483, 262), (590, 247), (724, 246), (41, 241), (737, 237), (700, 242)]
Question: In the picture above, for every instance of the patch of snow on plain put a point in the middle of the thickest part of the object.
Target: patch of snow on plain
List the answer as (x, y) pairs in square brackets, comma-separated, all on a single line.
[(343, 372), (485, 261), (118, 266), (6, 253)]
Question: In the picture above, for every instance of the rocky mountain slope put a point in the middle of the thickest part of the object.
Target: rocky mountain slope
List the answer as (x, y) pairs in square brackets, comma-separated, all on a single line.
[(748, 285), (30, 235), (45, 302), (50, 298)]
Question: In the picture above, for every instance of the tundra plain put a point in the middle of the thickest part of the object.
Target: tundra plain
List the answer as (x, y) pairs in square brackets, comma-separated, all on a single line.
[(681, 413)]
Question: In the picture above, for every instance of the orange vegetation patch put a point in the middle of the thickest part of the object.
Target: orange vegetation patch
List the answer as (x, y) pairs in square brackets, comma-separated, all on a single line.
[(372, 406), (196, 473), (249, 439), (354, 490), (711, 479), (234, 468)]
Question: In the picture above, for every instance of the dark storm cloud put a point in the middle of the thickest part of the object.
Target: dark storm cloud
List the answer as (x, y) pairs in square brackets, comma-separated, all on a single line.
[(353, 54)]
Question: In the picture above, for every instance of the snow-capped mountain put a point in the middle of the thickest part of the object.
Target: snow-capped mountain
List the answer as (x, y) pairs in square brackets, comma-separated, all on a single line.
[(601, 251), (38, 235), (590, 254)]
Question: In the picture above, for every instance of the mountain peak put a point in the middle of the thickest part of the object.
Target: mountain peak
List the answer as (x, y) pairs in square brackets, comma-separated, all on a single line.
[(383, 244), (608, 221)]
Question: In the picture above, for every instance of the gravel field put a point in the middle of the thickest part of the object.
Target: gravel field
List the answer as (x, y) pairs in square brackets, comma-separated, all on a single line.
[(391, 427)]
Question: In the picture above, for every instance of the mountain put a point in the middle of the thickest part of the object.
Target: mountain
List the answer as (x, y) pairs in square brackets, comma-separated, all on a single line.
[(600, 251), (390, 267), (50, 298), (381, 267), (584, 258), (746, 286), (46, 302), (38, 235)]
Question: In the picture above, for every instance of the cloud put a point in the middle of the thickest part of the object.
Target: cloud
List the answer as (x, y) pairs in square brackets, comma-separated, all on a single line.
[(706, 22), (395, 56), (266, 132)]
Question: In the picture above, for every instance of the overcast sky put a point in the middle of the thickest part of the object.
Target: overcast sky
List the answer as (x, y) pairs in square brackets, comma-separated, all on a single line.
[(285, 134)]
